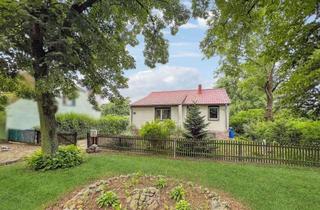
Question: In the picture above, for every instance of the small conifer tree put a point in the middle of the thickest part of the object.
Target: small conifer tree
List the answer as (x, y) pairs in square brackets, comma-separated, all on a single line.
[(195, 125)]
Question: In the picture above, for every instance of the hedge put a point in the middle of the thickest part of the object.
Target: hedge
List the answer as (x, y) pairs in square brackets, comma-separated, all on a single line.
[(82, 123)]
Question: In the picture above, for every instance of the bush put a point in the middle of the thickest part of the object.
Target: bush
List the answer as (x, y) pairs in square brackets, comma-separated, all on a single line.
[(66, 157), (157, 129), (112, 124), (108, 199), (281, 130), (73, 122), (183, 205), (81, 123), (177, 193), (244, 118)]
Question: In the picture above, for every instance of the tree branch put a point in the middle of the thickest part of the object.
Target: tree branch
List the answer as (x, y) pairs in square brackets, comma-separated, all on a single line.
[(85, 5)]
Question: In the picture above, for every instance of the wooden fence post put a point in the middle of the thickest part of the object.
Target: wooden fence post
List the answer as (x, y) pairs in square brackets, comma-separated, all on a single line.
[(174, 147), (239, 151)]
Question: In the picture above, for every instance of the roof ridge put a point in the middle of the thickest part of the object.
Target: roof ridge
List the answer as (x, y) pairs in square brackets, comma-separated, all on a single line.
[(160, 91)]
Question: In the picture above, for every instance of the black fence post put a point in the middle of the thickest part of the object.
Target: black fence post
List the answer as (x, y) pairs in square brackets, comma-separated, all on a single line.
[(88, 140), (75, 138), (239, 151)]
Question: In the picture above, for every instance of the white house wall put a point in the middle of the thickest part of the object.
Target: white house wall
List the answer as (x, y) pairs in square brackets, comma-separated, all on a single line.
[(221, 125), (23, 114), (141, 115)]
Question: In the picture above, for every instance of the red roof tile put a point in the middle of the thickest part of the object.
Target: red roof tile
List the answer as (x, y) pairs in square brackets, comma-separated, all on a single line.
[(207, 96)]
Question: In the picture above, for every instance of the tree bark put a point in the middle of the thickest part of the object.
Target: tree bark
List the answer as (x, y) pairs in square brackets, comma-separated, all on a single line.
[(269, 93), (47, 107)]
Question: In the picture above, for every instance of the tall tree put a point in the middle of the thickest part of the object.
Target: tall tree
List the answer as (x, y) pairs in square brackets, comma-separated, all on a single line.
[(63, 44), (116, 107), (285, 34)]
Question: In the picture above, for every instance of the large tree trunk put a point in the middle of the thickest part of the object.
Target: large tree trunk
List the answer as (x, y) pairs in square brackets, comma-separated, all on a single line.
[(47, 107), (269, 93)]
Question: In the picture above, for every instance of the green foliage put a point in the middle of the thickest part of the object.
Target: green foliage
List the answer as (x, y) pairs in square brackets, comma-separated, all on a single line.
[(74, 122), (62, 44), (112, 124), (302, 91), (195, 125), (157, 129), (135, 179), (265, 44), (177, 193), (243, 92), (161, 183), (108, 199), (82, 123), (183, 205), (286, 130), (66, 157), (117, 107), (242, 119)]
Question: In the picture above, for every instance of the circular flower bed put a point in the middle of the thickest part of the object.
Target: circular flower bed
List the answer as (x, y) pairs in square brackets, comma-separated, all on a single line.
[(138, 192)]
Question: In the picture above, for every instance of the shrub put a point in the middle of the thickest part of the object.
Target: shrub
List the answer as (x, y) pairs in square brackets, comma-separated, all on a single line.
[(73, 122), (161, 183), (66, 157), (157, 129), (108, 199), (81, 123), (183, 205), (177, 193), (244, 118), (281, 130), (112, 124)]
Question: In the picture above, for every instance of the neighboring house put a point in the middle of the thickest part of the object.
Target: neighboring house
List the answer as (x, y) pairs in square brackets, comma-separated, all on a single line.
[(213, 103), (23, 114)]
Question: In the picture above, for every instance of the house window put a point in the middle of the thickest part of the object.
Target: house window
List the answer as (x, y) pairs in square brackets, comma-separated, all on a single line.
[(162, 113), (68, 102), (213, 112)]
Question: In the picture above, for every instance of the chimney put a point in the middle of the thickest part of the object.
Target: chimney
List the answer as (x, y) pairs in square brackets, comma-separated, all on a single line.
[(199, 89)]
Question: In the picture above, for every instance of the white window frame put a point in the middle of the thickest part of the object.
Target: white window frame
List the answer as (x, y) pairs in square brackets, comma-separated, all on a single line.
[(218, 113), (161, 112)]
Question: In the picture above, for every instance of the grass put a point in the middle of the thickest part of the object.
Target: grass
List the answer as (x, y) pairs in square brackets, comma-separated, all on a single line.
[(2, 125), (259, 187)]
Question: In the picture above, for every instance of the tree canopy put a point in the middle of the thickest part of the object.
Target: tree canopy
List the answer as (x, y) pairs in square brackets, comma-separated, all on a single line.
[(116, 107), (254, 34), (63, 44)]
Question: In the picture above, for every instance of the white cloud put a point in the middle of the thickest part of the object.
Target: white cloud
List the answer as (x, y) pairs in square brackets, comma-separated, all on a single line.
[(162, 78), (200, 23)]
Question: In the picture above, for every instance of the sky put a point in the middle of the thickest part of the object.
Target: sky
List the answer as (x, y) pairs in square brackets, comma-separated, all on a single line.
[(186, 68)]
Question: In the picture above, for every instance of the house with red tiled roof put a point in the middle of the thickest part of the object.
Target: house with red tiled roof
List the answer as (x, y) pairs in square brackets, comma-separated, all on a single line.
[(214, 105)]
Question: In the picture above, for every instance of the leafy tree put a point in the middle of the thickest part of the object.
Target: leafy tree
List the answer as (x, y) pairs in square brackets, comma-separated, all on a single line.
[(63, 44), (116, 107), (277, 37), (302, 91), (195, 124)]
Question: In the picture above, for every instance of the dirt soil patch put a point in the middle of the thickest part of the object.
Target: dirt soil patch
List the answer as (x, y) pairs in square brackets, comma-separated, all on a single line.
[(15, 152), (150, 195)]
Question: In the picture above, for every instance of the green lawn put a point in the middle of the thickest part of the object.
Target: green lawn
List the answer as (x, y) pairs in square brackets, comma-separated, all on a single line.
[(259, 187)]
